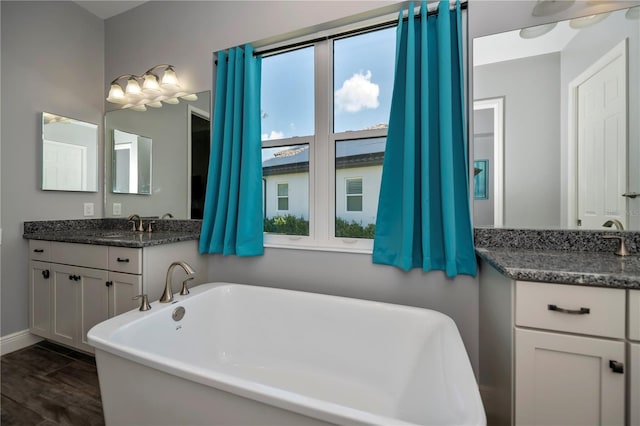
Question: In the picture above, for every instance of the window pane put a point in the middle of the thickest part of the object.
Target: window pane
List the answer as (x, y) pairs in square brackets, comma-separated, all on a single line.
[(354, 203), (287, 101), (354, 186), (283, 190), (358, 173), (286, 205), (363, 80)]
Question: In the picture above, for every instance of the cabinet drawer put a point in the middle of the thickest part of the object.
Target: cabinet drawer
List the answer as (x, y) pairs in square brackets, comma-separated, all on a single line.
[(40, 250), (122, 259), (575, 309), (86, 255), (634, 314)]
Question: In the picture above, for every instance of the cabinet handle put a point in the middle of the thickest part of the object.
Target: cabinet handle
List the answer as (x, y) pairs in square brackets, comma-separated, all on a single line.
[(74, 277), (581, 311), (125, 260), (616, 366), (38, 251), (45, 274), (109, 283)]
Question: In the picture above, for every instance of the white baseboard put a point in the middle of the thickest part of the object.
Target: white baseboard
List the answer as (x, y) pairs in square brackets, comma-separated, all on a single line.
[(15, 341)]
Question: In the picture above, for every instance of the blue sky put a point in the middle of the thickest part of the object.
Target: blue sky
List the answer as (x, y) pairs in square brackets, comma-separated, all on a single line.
[(363, 74)]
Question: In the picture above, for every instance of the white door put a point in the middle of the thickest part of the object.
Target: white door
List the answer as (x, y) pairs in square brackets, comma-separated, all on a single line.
[(64, 166), (94, 301), (634, 385), (602, 143), (567, 380), (40, 310)]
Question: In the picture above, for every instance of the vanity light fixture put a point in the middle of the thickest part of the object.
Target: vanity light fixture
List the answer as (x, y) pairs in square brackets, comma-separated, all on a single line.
[(587, 21), (551, 7), (537, 31), (153, 91)]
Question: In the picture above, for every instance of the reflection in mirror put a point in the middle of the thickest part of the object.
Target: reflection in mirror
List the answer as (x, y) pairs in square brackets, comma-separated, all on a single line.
[(69, 154), (131, 163), (180, 135), (570, 154)]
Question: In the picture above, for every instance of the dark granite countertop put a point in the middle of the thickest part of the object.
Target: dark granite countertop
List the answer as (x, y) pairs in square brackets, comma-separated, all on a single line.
[(112, 232), (566, 267), (561, 256)]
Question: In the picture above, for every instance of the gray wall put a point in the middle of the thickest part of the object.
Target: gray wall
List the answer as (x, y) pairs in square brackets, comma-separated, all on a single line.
[(52, 60), (218, 25), (167, 129), (531, 137)]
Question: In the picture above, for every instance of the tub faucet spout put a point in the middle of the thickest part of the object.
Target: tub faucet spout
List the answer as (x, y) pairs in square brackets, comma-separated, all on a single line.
[(167, 296)]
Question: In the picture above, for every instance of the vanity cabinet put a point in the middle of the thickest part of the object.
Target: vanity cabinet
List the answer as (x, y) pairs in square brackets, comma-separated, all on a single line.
[(564, 375), (557, 354), (76, 286)]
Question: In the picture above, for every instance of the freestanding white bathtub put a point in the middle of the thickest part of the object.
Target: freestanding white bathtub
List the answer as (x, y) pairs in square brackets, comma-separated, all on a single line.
[(249, 355)]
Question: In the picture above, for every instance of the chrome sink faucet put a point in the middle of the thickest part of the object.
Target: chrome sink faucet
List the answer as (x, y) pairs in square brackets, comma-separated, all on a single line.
[(622, 246), (132, 219), (167, 296)]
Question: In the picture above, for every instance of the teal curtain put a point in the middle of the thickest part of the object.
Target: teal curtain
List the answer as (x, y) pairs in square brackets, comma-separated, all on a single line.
[(232, 222), (423, 212)]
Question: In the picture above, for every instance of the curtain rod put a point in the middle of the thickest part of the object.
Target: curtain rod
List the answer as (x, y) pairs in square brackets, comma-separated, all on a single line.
[(382, 25)]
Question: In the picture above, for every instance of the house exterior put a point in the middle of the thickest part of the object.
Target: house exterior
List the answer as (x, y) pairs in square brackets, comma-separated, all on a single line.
[(357, 179)]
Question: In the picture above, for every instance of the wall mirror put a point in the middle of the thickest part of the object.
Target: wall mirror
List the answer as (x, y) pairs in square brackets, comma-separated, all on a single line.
[(131, 163), (69, 154), (178, 162), (556, 130)]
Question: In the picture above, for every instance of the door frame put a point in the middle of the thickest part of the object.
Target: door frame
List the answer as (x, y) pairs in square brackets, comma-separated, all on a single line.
[(572, 135), (191, 111), (497, 105)]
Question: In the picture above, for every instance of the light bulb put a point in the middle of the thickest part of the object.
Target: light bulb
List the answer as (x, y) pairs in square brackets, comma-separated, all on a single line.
[(116, 94), (170, 79), (133, 88), (154, 104), (190, 97), (150, 83), (171, 101)]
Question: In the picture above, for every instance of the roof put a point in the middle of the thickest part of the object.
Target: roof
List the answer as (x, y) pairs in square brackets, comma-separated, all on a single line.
[(360, 153)]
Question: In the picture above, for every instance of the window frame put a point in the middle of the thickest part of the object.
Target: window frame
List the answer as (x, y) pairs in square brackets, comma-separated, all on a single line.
[(322, 165)]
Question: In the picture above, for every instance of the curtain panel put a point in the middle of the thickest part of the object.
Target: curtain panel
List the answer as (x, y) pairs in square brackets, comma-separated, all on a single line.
[(232, 223), (423, 218)]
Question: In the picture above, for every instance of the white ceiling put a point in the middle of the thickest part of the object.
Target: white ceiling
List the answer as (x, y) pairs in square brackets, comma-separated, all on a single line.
[(107, 8), (507, 46)]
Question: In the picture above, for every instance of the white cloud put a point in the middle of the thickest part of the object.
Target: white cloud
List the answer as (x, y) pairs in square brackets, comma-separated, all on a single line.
[(273, 135), (358, 92)]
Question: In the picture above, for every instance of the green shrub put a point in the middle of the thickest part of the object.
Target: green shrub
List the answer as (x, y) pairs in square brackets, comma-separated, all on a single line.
[(288, 225), (354, 229)]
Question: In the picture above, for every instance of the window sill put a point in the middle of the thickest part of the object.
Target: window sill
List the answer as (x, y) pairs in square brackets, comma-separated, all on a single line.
[(333, 249)]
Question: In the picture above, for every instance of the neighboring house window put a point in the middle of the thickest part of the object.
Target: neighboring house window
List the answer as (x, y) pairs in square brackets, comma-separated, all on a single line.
[(283, 196), (354, 194), (325, 110)]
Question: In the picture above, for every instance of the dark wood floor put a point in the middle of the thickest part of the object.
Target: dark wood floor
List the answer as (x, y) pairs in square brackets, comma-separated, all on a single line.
[(46, 384)]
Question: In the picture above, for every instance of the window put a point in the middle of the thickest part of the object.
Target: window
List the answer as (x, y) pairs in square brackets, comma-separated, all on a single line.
[(283, 196), (325, 111), (354, 194)]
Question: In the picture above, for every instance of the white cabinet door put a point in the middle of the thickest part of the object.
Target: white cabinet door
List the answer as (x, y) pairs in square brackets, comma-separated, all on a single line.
[(80, 301), (634, 383), (40, 298), (94, 302), (123, 288), (64, 303), (567, 380)]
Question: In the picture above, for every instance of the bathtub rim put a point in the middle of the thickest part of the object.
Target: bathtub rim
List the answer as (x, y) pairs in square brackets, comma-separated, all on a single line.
[(99, 336)]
